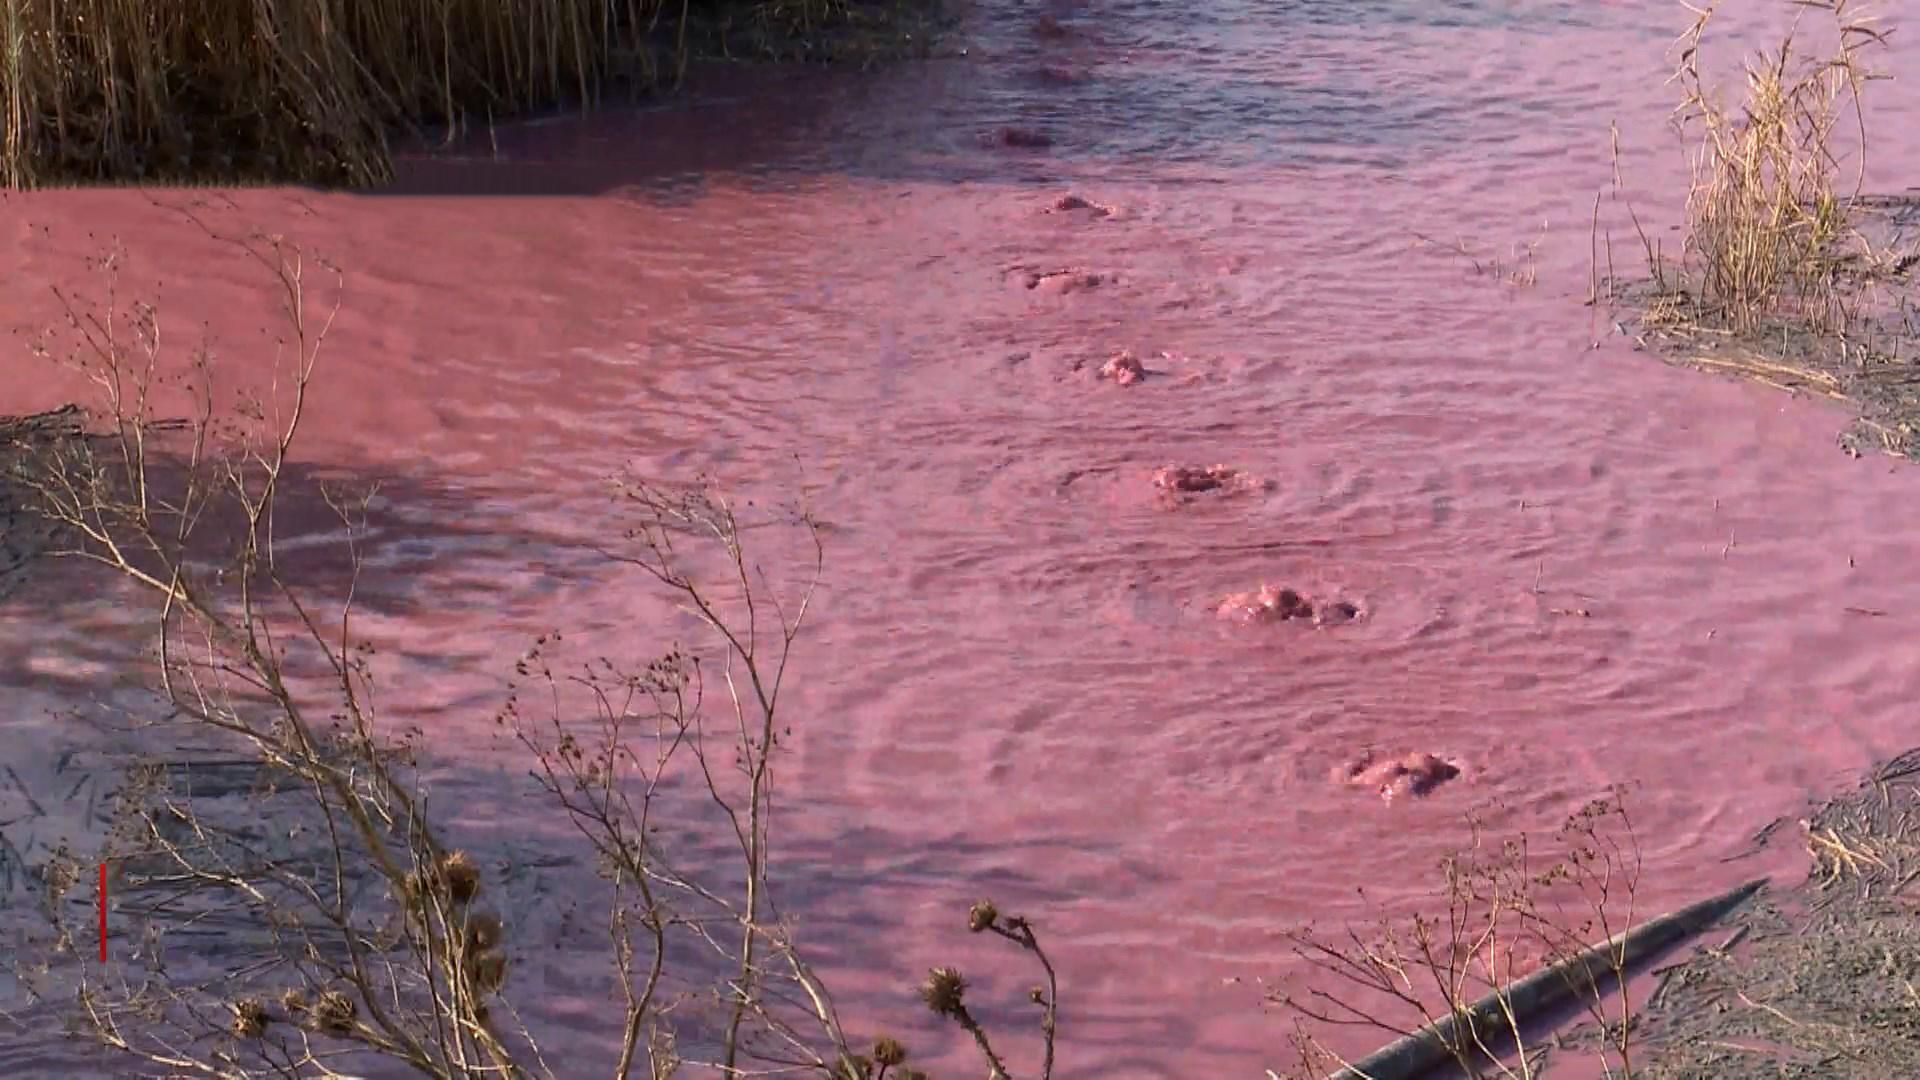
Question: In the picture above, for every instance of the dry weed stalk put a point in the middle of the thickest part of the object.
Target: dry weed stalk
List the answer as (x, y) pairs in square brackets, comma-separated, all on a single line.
[(361, 931), (1872, 840), (945, 989), (1517, 269), (1503, 917), (610, 790), (1771, 235), (373, 940)]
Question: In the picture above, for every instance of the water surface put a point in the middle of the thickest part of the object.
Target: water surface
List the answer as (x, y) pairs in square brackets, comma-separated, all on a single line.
[(798, 282)]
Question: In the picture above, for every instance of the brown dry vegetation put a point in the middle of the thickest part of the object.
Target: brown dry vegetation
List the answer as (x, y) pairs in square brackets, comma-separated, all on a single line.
[(1505, 910), (1790, 274), (312, 90), (1770, 234), (1822, 981)]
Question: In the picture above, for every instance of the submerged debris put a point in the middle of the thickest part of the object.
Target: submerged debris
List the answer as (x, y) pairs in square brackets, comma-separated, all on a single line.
[(1046, 26), (1267, 604), (1193, 478), (1124, 368), (1180, 483), (1021, 138), (1059, 75), (1418, 774), (1064, 281), (1271, 603), (1070, 203), (1340, 611)]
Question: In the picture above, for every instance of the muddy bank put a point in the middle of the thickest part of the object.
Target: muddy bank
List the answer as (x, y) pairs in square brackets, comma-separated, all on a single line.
[(1819, 980), (1871, 365)]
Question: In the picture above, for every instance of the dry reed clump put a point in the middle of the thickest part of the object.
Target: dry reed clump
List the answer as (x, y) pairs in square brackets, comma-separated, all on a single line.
[(1771, 229), (1790, 274), (310, 90)]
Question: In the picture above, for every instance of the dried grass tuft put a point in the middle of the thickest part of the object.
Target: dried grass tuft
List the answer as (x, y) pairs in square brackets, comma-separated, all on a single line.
[(1790, 275), (1771, 229)]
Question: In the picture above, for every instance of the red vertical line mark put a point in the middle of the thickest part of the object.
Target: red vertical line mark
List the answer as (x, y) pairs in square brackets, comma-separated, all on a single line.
[(103, 913)]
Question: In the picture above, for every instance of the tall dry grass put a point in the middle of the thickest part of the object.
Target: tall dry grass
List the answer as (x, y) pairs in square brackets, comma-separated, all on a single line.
[(304, 89), (1770, 232)]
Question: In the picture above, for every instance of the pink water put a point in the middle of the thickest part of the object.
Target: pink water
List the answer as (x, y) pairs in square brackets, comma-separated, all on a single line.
[(1016, 684)]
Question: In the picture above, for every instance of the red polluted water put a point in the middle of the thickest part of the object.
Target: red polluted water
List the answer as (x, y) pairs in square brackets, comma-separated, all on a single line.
[(1568, 566)]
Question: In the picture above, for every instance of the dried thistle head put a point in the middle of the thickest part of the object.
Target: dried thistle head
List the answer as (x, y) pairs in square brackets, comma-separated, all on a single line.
[(454, 878), (334, 1012), (945, 991), (249, 1018), (887, 1051), (982, 916), (484, 931), (293, 999), (488, 972), (460, 876)]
